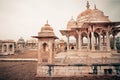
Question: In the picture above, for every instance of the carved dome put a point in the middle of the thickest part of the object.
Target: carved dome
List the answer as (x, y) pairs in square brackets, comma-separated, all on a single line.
[(71, 23), (46, 28), (91, 15)]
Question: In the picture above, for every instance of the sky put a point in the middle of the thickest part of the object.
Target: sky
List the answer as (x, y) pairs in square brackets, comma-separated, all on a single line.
[(24, 18)]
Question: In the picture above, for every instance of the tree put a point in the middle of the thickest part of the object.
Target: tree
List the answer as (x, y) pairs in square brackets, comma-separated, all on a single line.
[(118, 43)]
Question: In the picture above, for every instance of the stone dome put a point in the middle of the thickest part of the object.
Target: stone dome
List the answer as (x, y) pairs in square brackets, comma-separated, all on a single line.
[(32, 40), (47, 28), (21, 40), (91, 15), (46, 31), (71, 23), (86, 12), (61, 41)]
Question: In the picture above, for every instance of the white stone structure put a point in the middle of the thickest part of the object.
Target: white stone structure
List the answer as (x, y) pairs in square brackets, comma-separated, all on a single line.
[(93, 57), (21, 43), (7, 47), (32, 44)]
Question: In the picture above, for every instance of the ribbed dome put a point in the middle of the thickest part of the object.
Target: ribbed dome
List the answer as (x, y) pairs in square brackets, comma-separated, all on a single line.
[(71, 23), (46, 28)]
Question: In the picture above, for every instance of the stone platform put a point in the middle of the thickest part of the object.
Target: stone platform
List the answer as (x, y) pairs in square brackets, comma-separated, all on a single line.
[(75, 70)]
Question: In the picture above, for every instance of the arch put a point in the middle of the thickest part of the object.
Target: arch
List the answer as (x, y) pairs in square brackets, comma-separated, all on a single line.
[(72, 42), (45, 47), (84, 32), (84, 37), (10, 47)]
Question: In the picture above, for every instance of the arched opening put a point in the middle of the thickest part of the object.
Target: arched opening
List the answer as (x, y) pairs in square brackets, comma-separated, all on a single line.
[(72, 47), (97, 40), (45, 47), (84, 40), (5, 48), (10, 47), (72, 43)]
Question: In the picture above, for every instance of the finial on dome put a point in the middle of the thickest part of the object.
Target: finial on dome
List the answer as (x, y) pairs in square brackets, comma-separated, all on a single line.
[(95, 6), (47, 22), (88, 5)]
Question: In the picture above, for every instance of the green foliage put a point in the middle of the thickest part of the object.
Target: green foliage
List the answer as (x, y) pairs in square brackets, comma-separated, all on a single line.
[(118, 43)]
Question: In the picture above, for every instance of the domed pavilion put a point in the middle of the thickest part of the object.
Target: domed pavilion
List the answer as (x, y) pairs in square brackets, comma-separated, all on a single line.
[(94, 56), (93, 25)]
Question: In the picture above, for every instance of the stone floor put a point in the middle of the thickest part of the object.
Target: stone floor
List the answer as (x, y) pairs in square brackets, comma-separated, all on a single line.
[(27, 54)]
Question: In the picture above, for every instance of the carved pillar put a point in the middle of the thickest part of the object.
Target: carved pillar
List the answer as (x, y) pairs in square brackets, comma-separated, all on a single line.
[(103, 40), (100, 43), (92, 38), (93, 47), (107, 41), (88, 47), (79, 41), (76, 43)]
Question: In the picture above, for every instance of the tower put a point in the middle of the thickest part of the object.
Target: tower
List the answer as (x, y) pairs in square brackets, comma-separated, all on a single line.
[(46, 41)]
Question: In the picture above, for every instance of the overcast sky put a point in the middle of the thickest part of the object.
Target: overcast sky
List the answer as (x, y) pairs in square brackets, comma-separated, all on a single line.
[(24, 18)]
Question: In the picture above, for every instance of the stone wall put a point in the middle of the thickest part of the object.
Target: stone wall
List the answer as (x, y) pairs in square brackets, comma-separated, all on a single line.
[(65, 71)]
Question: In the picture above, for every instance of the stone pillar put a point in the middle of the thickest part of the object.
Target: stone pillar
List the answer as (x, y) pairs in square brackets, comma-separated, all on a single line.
[(7, 47), (76, 43), (2, 48), (13, 48), (79, 41), (114, 42), (88, 47), (90, 43), (107, 41), (67, 42), (39, 52), (103, 40), (51, 54), (100, 43), (93, 47)]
